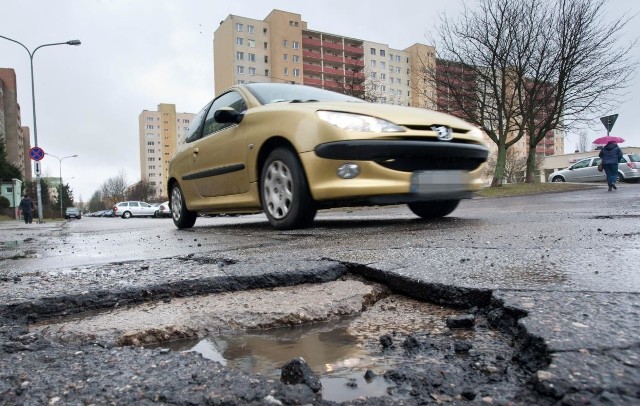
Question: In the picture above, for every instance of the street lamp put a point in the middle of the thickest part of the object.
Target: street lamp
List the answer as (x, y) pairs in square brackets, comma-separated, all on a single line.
[(60, 193), (33, 101)]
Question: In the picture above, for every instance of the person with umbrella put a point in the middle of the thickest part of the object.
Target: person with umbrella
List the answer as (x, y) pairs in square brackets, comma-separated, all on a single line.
[(610, 155)]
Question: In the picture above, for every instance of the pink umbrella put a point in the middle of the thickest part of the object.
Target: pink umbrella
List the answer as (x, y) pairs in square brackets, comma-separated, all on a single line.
[(607, 139)]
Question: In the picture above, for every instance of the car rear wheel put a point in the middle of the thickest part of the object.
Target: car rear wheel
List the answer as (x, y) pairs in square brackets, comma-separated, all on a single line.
[(558, 179), (284, 191), (433, 209), (182, 217), (126, 215)]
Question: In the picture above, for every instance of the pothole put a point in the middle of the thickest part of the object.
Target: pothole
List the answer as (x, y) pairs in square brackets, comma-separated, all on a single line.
[(357, 337)]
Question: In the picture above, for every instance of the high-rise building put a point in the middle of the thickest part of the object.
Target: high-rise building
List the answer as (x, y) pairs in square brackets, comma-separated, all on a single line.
[(282, 49), (11, 130), (159, 134)]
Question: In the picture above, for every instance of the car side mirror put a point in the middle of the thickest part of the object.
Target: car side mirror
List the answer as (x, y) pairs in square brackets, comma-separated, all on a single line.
[(228, 115)]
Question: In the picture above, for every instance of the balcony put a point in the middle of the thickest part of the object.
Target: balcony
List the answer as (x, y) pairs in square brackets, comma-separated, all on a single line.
[(311, 55), (312, 42), (354, 62), (332, 71), (312, 82), (354, 50), (331, 45), (307, 67), (332, 58)]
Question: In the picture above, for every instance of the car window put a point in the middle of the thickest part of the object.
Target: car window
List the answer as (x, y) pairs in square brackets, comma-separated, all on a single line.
[(581, 164), (634, 157), (193, 132), (230, 99), (145, 204), (596, 162), (133, 204)]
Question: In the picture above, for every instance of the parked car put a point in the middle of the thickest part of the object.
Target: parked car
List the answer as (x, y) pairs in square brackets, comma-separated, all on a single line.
[(72, 212), (163, 210), (133, 209), (586, 170), (290, 150)]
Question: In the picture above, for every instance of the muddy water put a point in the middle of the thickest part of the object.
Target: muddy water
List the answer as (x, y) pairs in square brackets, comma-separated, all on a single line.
[(339, 352)]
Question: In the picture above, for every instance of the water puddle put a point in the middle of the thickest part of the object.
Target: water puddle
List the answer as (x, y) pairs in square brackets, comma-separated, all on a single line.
[(339, 358)]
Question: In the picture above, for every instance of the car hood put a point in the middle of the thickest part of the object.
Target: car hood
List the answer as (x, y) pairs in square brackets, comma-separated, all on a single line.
[(400, 115)]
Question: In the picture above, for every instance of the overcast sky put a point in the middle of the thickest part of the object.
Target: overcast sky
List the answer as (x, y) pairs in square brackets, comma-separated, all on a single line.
[(136, 54)]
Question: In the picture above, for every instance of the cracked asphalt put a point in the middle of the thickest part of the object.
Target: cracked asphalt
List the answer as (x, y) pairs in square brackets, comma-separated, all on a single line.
[(558, 272)]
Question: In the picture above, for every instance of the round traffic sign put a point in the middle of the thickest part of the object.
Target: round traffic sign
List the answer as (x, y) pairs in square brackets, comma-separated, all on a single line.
[(36, 153)]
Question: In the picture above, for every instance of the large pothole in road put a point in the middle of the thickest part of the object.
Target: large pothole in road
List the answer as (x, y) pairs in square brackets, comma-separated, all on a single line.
[(361, 340)]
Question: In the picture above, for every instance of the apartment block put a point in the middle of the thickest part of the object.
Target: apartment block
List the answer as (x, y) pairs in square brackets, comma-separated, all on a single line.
[(282, 49), (12, 134), (160, 132)]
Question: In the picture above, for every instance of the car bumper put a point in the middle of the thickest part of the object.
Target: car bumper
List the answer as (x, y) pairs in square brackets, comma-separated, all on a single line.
[(393, 171)]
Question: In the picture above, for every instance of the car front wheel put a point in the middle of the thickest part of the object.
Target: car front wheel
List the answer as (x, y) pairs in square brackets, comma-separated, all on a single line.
[(285, 195), (182, 217), (433, 209), (126, 215)]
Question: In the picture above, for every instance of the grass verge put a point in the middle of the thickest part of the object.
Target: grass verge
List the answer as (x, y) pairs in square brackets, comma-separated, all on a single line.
[(521, 189)]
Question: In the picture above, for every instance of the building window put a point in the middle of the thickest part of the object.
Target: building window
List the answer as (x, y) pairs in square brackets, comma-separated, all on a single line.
[(239, 55), (186, 120), (150, 143), (239, 41), (383, 65), (250, 29), (151, 151), (293, 23), (149, 118), (398, 58), (240, 82), (295, 45), (373, 75), (285, 57), (266, 59), (391, 57), (252, 71), (382, 52), (373, 51), (373, 63), (240, 70), (383, 88), (296, 58), (383, 76), (239, 27), (266, 45), (398, 80), (296, 72), (251, 57), (266, 72), (251, 43), (149, 126), (285, 43), (399, 92), (264, 31), (286, 71)]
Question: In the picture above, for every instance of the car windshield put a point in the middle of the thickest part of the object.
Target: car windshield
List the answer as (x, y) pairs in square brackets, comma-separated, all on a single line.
[(634, 157), (268, 93)]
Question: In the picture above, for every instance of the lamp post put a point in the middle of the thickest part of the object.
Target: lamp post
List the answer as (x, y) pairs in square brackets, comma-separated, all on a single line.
[(33, 102), (60, 192)]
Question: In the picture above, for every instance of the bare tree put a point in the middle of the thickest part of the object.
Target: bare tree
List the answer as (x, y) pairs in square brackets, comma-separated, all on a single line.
[(113, 189), (575, 67), (141, 191), (475, 78)]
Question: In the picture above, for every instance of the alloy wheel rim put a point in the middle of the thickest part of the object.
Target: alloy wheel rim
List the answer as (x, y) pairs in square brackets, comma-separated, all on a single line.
[(278, 189), (176, 203)]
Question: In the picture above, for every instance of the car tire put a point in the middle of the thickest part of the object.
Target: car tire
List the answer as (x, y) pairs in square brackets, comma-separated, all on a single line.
[(126, 215), (433, 209), (620, 178), (182, 217), (284, 191), (557, 179)]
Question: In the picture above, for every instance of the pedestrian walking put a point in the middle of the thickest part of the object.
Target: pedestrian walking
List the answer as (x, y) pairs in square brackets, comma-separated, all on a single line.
[(611, 154), (27, 207)]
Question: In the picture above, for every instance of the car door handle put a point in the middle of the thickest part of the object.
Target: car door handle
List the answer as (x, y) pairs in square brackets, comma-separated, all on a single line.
[(195, 151)]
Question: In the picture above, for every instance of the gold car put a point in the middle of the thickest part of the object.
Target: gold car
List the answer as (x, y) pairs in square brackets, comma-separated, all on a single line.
[(290, 150)]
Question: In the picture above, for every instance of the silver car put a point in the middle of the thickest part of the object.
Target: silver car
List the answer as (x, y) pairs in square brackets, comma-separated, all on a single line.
[(131, 209), (586, 170)]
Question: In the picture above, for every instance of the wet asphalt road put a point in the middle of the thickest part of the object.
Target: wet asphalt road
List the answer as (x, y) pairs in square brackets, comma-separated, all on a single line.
[(565, 265)]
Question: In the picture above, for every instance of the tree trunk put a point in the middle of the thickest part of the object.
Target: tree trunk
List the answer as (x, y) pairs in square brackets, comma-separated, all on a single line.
[(498, 175), (531, 165)]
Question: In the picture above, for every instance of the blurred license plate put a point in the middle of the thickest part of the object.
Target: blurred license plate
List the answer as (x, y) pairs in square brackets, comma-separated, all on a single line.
[(427, 182)]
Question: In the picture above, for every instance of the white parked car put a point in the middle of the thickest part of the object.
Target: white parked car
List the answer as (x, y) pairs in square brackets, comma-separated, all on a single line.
[(134, 209), (586, 170)]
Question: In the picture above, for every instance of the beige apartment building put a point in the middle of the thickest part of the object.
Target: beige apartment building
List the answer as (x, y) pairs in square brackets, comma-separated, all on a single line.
[(160, 132), (15, 137)]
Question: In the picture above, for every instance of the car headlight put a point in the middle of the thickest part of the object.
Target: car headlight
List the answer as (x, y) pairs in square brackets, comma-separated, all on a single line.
[(358, 122)]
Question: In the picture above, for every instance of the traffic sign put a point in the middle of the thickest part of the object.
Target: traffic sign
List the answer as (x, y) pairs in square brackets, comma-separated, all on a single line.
[(609, 121), (36, 153)]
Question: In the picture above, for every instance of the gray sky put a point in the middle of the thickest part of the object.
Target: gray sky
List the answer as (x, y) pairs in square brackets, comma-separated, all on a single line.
[(136, 54)]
